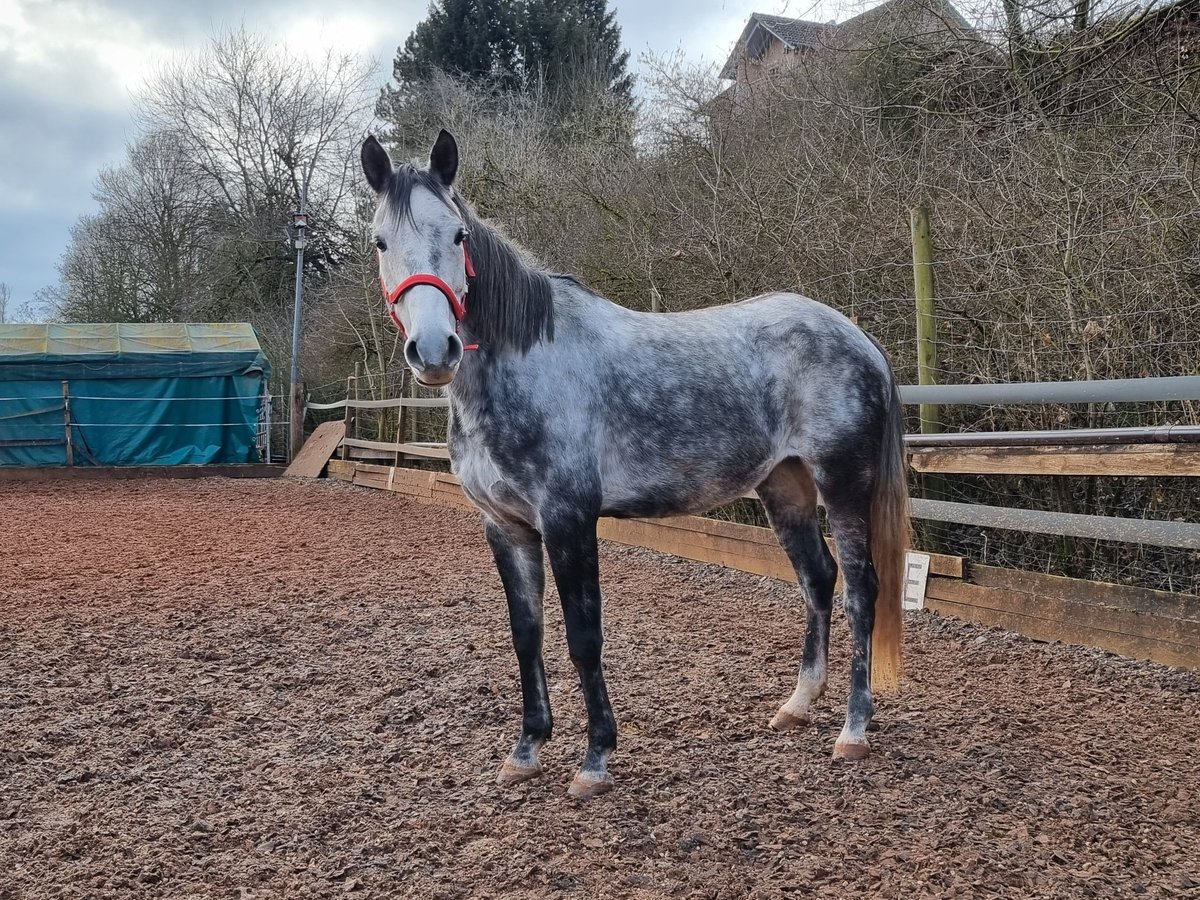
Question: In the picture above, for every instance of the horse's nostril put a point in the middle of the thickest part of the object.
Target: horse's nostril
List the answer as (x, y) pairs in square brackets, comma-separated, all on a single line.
[(454, 352), (412, 355)]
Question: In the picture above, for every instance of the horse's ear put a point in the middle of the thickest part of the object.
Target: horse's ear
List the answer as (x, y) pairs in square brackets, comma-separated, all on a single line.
[(376, 164), (443, 158)]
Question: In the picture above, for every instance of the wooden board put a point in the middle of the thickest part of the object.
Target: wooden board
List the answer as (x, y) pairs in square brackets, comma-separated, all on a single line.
[(425, 451), (1024, 606), (1121, 596), (1156, 625), (744, 547), (123, 473), (747, 548), (1113, 459), (316, 450), (341, 469)]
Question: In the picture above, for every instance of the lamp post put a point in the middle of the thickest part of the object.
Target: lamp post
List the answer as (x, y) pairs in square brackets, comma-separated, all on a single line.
[(296, 409)]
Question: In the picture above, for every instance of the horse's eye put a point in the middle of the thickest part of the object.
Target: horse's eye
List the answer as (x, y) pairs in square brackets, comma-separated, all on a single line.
[(380, 243), (460, 236)]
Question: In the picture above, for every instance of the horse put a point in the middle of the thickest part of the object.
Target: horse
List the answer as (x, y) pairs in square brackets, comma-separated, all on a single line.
[(565, 407)]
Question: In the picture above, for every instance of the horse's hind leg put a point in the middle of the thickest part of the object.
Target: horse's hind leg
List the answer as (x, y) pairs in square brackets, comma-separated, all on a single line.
[(790, 498), (518, 552), (847, 492)]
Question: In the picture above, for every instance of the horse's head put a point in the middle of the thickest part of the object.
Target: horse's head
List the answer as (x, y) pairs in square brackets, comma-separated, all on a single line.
[(423, 260)]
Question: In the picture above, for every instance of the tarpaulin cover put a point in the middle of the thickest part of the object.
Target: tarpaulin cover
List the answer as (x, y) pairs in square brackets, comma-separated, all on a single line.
[(163, 394)]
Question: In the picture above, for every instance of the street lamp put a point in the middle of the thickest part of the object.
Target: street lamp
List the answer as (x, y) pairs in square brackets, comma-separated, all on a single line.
[(300, 222), (296, 407)]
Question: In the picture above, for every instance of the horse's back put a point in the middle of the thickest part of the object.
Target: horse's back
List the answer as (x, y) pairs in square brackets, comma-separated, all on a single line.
[(693, 409)]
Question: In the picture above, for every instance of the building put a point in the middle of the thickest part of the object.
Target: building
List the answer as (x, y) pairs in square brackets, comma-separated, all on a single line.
[(131, 395), (770, 46)]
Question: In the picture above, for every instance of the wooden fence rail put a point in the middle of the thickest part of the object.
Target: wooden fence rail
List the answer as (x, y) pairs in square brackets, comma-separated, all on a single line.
[(407, 402), (1156, 625)]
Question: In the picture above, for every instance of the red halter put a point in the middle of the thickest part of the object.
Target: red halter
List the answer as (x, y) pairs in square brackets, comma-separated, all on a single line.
[(457, 306)]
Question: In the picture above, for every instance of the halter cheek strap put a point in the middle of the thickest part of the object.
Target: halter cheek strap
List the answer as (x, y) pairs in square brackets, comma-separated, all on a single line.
[(457, 305)]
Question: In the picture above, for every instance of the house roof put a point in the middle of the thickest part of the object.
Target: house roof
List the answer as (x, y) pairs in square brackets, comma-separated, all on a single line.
[(801, 33), (942, 11), (795, 33)]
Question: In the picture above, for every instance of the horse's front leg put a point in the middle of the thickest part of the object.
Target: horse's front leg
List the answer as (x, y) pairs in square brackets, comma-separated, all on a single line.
[(575, 561), (518, 552)]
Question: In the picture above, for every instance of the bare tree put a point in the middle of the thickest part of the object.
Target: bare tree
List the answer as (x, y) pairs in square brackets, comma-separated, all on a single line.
[(5, 299), (268, 132), (194, 223)]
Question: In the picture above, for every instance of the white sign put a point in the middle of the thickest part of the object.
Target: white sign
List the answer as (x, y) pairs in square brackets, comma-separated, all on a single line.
[(916, 576)]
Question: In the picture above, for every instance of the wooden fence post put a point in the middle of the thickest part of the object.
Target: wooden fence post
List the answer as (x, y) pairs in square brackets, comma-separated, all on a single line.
[(412, 418), (927, 353), (401, 417), (348, 413), (354, 415), (67, 422)]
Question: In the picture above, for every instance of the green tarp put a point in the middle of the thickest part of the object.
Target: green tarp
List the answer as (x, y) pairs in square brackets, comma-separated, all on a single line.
[(137, 395)]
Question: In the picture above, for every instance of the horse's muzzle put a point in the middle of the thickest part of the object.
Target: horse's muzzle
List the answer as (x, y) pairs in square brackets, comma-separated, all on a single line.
[(434, 362)]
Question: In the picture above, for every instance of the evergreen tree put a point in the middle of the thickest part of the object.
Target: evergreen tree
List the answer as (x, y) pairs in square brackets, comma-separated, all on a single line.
[(568, 51), (571, 47), (472, 38)]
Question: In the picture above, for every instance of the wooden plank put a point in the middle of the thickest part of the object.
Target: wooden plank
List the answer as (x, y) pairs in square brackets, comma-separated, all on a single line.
[(742, 547), (343, 470), (125, 473), (680, 542), (1154, 625), (372, 476), (317, 450), (385, 446), (425, 451), (1082, 613), (419, 402), (1068, 633), (411, 482), (746, 547), (1047, 627), (1123, 596), (1111, 460), (939, 564)]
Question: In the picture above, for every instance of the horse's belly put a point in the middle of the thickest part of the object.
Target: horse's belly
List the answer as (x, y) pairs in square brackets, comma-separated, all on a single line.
[(683, 490)]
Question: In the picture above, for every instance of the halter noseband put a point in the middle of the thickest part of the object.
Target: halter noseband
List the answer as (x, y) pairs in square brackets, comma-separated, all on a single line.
[(457, 306)]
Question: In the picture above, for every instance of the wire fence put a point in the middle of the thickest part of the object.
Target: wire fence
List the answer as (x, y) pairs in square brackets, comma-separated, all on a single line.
[(66, 427)]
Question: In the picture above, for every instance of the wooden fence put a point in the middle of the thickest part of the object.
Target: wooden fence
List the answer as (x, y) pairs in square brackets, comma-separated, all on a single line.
[(1133, 621)]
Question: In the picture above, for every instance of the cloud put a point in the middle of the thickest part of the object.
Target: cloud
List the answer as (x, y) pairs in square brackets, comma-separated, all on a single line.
[(66, 115), (70, 69)]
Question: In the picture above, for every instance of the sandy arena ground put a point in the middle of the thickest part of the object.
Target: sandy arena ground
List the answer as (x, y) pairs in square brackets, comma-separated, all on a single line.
[(264, 689)]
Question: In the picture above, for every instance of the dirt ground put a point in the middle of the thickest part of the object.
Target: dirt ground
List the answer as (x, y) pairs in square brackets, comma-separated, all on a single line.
[(268, 689)]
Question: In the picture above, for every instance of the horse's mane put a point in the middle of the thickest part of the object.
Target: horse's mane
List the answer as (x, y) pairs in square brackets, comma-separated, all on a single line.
[(511, 301)]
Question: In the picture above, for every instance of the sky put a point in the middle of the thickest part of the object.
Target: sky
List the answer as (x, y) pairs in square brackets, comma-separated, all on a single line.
[(70, 71)]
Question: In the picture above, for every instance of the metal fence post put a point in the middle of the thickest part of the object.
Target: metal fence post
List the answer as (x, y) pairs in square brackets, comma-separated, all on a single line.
[(67, 422)]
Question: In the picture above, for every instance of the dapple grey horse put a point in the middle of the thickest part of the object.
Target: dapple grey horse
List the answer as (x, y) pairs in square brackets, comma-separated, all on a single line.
[(565, 407)]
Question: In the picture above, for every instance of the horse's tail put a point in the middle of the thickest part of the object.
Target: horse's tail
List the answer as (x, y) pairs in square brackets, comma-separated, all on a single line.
[(890, 538)]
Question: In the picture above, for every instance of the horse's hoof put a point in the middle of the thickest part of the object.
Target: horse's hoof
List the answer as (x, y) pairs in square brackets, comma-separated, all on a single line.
[(587, 787), (851, 750), (511, 773), (788, 721)]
